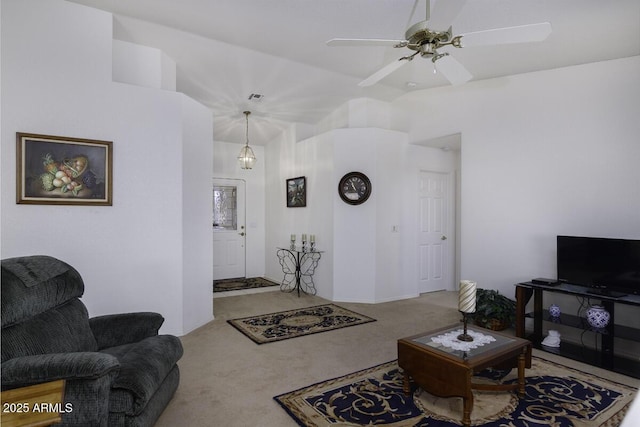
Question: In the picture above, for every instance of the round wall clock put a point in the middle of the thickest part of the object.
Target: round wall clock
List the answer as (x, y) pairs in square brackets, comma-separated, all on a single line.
[(354, 188)]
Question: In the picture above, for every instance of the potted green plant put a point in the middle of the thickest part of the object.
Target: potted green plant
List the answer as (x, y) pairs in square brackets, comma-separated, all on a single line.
[(493, 310)]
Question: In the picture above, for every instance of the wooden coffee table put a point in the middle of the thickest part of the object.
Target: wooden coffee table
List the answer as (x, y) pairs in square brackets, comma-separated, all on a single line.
[(445, 372)]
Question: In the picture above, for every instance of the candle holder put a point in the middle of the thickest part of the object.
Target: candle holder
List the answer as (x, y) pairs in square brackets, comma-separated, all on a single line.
[(313, 246), (466, 305), (464, 336)]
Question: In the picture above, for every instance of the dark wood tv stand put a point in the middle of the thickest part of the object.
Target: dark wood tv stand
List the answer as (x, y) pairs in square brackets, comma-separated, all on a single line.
[(604, 357)]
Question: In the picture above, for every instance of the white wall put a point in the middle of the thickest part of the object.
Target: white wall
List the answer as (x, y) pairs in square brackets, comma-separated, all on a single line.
[(143, 66), (197, 208), (355, 227), (364, 260), (287, 158), (134, 255), (543, 154), (554, 152)]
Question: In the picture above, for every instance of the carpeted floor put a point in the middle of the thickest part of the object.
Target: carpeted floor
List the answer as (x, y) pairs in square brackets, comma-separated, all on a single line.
[(556, 395), (242, 283), (228, 380), (284, 325)]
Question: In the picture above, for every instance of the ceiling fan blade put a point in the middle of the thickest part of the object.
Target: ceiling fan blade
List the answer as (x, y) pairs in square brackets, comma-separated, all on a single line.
[(518, 34), (366, 42), (413, 11), (383, 72), (453, 70), (444, 12)]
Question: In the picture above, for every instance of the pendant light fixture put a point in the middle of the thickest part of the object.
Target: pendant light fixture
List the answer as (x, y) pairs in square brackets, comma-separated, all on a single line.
[(246, 158)]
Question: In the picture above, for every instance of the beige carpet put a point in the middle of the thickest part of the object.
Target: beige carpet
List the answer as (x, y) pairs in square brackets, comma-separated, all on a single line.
[(227, 380)]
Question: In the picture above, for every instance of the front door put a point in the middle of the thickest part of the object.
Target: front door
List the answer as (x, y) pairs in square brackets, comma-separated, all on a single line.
[(229, 232), (435, 259)]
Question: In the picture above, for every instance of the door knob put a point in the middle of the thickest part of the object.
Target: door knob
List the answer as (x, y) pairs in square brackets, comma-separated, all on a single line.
[(443, 238), (242, 234)]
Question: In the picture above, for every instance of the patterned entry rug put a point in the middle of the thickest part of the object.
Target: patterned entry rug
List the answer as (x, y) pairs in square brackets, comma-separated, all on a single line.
[(556, 395), (295, 323), (241, 283)]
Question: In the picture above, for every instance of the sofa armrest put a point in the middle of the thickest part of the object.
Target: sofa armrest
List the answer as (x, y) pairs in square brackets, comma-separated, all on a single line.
[(119, 329), (27, 370)]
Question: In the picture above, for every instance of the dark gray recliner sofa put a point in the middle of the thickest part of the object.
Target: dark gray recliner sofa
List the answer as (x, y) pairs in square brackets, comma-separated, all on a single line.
[(118, 370)]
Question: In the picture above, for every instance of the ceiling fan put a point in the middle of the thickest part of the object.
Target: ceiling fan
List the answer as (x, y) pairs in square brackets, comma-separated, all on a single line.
[(426, 38)]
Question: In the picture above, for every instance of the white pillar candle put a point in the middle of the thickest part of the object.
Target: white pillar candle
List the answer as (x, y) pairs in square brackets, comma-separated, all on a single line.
[(293, 237), (304, 237), (312, 238), (467, 298)]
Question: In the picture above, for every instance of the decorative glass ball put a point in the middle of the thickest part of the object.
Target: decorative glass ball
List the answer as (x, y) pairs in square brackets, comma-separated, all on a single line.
[(598, 317), (554, 310)]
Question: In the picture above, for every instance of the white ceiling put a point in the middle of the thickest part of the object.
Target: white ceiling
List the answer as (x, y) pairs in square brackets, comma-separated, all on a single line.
[(225, 50)]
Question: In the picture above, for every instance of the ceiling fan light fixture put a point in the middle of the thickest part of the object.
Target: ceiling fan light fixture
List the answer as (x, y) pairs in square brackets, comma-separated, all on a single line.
[(428, 49), (247, 158), (425, 38)]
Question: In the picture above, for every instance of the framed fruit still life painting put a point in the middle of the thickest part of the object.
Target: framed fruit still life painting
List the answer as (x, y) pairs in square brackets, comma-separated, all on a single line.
[(56, 170)]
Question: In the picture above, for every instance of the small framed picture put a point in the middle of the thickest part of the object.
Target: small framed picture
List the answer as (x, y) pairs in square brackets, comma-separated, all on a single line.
[(297, 192), (57, 170)]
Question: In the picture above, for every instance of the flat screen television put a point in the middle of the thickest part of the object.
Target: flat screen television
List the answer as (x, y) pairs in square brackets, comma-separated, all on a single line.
[(611, 266)]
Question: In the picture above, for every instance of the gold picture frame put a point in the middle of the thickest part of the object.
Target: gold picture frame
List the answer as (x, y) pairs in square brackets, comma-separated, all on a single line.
[(58, 170)]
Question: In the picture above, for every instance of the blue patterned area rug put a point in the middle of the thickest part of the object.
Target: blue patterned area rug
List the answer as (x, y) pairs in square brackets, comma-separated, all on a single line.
[(283, 325), (556, 395)]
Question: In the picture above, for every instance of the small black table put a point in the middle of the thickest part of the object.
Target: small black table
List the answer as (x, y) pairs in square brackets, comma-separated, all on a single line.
[(298, 264)]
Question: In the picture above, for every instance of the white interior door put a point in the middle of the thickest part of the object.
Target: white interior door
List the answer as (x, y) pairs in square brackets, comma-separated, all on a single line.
[(229, 231), (435, 259)]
